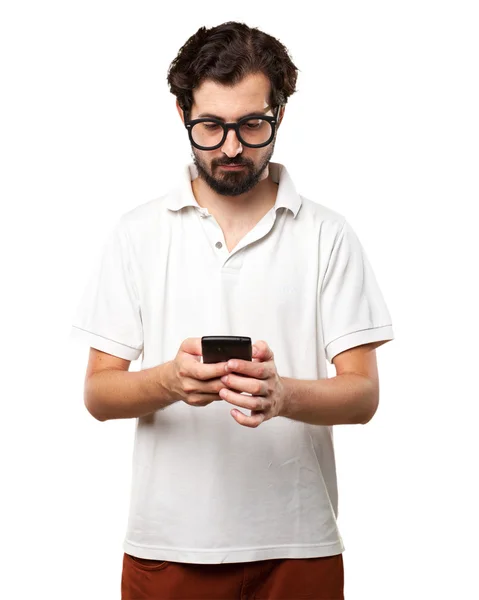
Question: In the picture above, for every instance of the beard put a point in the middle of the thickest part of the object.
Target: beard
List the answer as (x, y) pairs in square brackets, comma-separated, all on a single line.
[(232, 183)]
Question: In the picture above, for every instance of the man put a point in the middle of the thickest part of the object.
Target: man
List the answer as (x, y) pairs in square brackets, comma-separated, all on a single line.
[(234, 491)]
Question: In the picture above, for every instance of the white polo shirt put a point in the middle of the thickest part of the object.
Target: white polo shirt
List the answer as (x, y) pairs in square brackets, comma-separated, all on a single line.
[(204, 488)]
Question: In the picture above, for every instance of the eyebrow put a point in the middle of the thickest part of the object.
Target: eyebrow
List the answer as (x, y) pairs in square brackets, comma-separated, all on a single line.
[(252, 114)]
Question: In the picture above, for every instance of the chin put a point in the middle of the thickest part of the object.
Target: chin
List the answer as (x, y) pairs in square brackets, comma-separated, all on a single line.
[(233, 183)]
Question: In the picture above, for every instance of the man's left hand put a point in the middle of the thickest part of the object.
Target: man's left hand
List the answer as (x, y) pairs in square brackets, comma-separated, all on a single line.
[(259, 378)]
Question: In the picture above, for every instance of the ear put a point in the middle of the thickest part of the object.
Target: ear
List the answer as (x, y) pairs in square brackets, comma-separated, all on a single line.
[(180, 111), (281, 114)]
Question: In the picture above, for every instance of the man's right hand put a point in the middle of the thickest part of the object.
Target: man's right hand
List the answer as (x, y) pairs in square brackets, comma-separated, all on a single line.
[(196, 383)]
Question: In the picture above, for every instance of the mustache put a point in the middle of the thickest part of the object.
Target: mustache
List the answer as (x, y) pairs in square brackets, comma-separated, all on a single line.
[(224, 163)]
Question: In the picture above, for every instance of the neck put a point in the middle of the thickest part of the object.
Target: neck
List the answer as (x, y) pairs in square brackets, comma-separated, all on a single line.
[(236, 209)]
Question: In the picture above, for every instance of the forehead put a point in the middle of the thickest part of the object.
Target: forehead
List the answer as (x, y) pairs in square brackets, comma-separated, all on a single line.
[(230, 102)]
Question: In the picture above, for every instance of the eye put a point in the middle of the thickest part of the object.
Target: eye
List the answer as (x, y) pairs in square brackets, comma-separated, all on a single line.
[(256, 124), (211, 126)]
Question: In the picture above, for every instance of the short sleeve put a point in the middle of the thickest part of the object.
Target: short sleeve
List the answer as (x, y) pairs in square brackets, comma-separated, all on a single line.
[(108, 316), (353, 310)]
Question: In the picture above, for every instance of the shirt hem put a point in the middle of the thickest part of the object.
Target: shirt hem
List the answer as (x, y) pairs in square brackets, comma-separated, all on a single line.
[(357, 338), (232, 555), (105, 344)]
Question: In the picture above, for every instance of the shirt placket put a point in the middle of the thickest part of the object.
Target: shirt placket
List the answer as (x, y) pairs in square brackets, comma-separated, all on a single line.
[(217, 241)]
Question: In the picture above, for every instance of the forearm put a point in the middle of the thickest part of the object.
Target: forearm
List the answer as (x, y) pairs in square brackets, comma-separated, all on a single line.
[(345, 399), (113, 394)]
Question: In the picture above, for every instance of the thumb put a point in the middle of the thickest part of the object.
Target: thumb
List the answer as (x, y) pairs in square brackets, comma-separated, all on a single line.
[(192, 346), (261, 351)]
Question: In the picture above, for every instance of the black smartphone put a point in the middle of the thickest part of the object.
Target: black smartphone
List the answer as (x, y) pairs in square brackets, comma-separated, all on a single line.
[(220, 348)]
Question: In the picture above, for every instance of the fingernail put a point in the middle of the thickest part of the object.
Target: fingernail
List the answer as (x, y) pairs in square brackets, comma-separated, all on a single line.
[(224, 379), (255, 351)]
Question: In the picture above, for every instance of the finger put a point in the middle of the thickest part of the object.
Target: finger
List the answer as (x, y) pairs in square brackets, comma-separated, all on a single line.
[(194, 386), (253, 421), (258, 370), (202, 399), (205, 371), (256, 387), (245, 401)]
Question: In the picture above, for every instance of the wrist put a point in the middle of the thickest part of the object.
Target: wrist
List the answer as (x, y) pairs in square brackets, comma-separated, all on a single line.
[(285, 398), (165, 378)]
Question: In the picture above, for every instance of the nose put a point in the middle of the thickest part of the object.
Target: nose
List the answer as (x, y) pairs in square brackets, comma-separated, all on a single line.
[(232, 146)]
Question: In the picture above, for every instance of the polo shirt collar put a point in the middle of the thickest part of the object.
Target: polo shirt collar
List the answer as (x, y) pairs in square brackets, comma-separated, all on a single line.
[(287, 196)]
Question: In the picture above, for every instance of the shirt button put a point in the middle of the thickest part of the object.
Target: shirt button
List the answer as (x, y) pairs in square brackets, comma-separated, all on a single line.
[(219, 245)]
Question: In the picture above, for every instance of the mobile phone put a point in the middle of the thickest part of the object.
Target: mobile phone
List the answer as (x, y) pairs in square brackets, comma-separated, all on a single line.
[(220, 348)]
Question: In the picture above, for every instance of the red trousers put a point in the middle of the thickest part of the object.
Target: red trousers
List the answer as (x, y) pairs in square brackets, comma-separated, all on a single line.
[(275, 579)]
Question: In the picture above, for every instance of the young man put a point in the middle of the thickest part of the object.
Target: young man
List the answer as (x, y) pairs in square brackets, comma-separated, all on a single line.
[(234, 491)]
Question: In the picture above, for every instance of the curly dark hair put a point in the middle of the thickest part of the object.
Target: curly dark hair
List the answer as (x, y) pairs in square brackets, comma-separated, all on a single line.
[(227, 53)]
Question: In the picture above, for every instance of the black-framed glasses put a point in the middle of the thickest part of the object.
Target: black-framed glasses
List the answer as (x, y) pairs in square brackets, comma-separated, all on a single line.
[(254, 131)]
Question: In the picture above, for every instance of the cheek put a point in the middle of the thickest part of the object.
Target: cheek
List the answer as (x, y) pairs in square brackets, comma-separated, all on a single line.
[(204, 158), (253, 157)]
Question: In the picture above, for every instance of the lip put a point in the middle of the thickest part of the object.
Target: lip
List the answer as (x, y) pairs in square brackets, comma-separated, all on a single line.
[(232, 167)]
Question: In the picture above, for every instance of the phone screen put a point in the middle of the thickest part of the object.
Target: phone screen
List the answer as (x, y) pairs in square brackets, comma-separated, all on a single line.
[(220, 348)]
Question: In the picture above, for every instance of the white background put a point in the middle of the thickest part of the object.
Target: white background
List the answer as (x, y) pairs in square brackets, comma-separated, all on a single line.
[(383, 128)]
